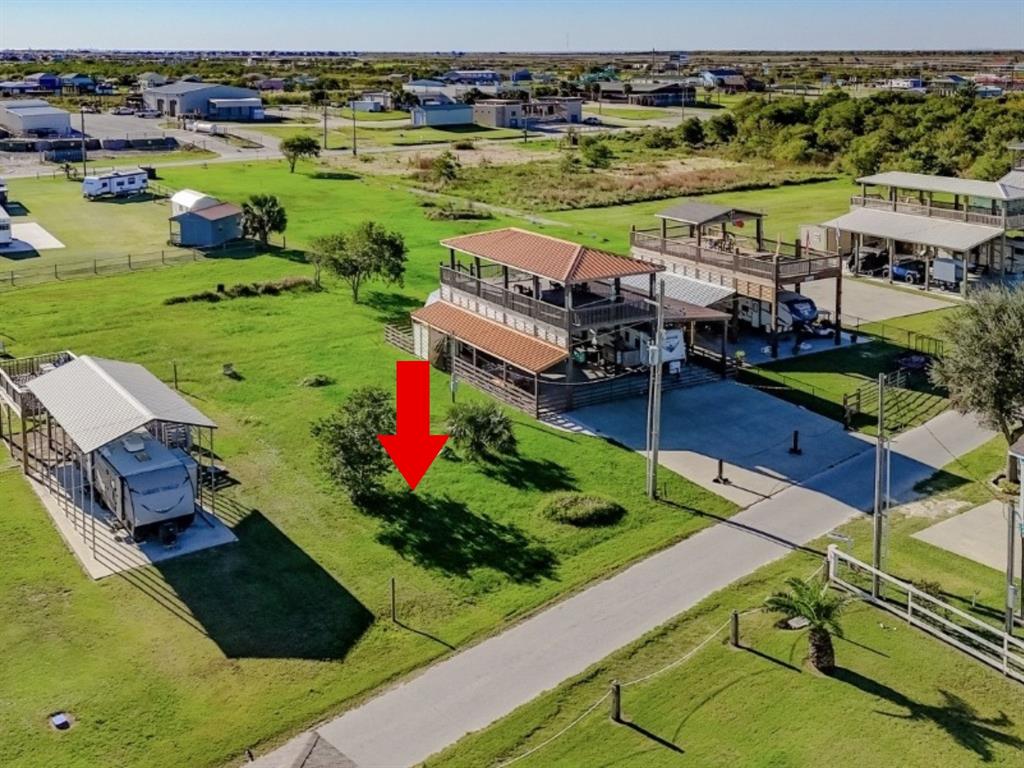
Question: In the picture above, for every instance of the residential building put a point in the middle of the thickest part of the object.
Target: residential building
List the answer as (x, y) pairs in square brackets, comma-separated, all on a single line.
[(270, 84), (710, 248), (442, 114), (471, 77), (554, 109), (547, 325), (724, 78), (207, 227), (44, 81), (511, 113), (149, 80), (384, 99), (210, 101), (498, 113), (16, 87), (34, 117), (75, 82), (649, 93), (919, 221)]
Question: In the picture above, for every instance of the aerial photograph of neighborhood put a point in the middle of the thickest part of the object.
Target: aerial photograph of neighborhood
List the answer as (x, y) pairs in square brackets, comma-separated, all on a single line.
[(478, 383)]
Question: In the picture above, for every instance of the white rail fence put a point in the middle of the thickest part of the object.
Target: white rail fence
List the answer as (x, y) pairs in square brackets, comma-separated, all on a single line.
[(971, 635)]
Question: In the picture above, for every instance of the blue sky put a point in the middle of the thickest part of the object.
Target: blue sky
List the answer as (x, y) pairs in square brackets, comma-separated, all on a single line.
[(526, 25)]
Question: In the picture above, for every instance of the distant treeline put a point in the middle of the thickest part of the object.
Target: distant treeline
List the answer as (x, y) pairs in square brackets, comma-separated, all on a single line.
[(951, 135)]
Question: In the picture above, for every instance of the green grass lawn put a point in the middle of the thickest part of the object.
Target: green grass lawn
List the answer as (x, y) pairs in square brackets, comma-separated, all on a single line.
[(785, 208), (628, 113), (899, 697), (372, 117), (192, 662)]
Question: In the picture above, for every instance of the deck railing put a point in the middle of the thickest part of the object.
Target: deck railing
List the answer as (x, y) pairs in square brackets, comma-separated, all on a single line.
[(789, 268), (935, 210)]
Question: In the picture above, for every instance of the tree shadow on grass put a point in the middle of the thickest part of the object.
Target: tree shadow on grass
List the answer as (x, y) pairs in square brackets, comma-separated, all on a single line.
[(520, 472), (955, 716), (262, 597), (443, 534), (390, 307)]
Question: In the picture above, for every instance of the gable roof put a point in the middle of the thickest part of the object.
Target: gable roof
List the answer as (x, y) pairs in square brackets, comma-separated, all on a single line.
[(698, 213), (549, 257), (213, 213), (939, 233), (96, 400)]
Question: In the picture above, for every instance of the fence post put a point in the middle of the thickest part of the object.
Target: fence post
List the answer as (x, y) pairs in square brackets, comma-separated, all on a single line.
[(394, 607), (55, 275), (616, 709), (129, 261), (795, 448), (734, 629), (94, 269)]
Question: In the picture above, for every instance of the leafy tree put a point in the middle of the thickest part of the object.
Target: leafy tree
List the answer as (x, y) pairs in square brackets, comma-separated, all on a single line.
[(318, 96), (481, 431), (296, 147), (692, 131), (347, 446), (445, 167), (369, 252), (261, 215), (982, 364), (720, 129), (812, 600), (570, 163), (596, 153)]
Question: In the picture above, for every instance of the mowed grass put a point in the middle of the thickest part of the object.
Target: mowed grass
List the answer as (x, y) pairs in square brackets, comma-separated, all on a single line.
[(627, 113), (372, 117), (192, 662), (89, 229), (785, 209), (899, 696)]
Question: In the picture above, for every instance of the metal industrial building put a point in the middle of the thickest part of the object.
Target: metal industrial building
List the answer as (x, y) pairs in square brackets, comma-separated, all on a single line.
[(33, 117), (442, 114), (207, 100)]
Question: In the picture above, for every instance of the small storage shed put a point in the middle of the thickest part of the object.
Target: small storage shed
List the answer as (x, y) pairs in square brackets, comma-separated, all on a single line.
[(186, 200), (207, 227)]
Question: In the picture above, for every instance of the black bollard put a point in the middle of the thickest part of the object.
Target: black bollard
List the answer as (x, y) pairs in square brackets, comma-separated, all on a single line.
[(795, 448)]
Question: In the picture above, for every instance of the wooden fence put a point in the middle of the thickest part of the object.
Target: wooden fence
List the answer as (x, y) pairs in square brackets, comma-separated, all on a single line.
[(984, 642)]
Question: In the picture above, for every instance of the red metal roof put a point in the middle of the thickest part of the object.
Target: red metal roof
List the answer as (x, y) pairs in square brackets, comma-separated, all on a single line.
[(515, 348), (217, 212), (546, 256)]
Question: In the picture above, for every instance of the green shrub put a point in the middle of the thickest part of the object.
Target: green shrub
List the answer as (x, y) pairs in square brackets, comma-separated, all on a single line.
[(481, 431), (240, 290), (463, 144), (581, 510), (317, 380)]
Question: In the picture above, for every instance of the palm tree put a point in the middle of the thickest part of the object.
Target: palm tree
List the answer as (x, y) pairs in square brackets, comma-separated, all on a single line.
[(812, 600), (261, 215)]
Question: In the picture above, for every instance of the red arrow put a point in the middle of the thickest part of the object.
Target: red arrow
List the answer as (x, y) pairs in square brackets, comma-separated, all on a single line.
[(412, 447)]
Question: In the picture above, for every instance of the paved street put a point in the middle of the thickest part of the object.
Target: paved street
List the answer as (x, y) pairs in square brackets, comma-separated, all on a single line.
[(422, 715)]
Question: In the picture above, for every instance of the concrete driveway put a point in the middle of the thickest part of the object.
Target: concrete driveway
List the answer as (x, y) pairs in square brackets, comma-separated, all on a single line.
[(750, 430), (870, 301)]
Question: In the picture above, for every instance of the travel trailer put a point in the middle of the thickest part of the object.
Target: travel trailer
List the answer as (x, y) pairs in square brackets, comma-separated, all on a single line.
[(117, 183)]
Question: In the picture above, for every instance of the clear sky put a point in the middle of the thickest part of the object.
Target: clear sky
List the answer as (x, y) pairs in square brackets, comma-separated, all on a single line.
[(525, 25)]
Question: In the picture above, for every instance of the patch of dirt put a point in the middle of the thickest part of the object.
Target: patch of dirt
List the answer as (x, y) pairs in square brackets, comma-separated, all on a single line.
[(403, 161), (933, 509), (673, 166)]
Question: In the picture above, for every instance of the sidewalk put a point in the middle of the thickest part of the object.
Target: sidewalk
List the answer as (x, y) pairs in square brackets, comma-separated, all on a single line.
[(407, 723)]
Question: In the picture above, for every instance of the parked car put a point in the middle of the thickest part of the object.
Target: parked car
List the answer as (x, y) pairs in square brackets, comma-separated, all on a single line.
[(592, 121), (148, 113), (872, 260), (122, 111), (89, 109), (911, 271)]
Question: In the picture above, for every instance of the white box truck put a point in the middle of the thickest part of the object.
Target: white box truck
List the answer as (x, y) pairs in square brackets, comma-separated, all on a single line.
[(117, 183), (948, 273)]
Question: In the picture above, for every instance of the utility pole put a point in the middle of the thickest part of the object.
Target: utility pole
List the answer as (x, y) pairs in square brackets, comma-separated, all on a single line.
[(879, 507), (325, 123), (352, 108), (654, 397), (81, 114)]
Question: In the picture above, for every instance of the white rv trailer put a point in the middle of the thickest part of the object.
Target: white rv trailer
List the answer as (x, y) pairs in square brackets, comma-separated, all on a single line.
[(150, 488), (5, 228), (116, 183)]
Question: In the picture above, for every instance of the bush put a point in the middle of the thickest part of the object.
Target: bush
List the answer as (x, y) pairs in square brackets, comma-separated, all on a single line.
[(582, 510), (240, 290), (317, 380), (481, 431), (450, 212), (463, 144)]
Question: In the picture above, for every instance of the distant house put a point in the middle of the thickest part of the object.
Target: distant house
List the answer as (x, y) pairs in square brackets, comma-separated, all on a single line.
[(365, 105), (210, 101), (270, 84), (649, 93), (202, 221), (44, 81), (498, 113), (472, 77), (76, 82), (423, 87), (944, 86), (509, 113), (725, 78), (521, 76), (15, 87), (383, 99), (149, 80), (442, 114)]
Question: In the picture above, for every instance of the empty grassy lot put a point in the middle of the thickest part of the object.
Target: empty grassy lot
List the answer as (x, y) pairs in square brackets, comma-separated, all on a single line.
[(899, 697), (192, 662), (372, 117), (591, 108), (398, 136)]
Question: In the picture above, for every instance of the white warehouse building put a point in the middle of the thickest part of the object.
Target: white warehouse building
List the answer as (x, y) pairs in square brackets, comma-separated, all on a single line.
[(33, 117)]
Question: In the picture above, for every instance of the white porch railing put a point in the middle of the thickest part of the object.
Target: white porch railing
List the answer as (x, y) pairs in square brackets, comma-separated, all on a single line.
[(971, 635)]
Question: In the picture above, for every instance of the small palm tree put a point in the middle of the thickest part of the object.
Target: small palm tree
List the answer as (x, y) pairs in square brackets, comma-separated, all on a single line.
[(261, 215), (481, 431), (812, 600)]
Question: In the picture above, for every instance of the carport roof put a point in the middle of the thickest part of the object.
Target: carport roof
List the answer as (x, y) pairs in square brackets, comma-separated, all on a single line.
[(938, 233), (990, 190), (693, 294), (691, 212), (96, 400), (518, 349)]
